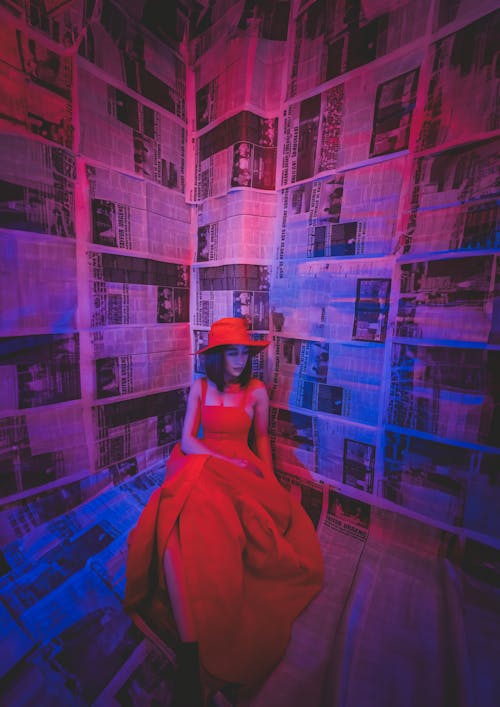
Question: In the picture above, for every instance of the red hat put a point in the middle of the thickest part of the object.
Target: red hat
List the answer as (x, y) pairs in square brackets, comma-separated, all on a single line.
[(232, 331)]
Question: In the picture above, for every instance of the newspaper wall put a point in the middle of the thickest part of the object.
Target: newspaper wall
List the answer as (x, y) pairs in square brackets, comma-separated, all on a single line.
[(95, 250), (388, 156)]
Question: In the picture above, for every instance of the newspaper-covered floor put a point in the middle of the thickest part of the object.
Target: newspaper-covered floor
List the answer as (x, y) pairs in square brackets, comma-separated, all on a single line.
[(395, 624)]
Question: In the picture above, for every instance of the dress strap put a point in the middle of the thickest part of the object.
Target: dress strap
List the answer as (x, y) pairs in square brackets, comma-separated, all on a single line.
[(204, 387)]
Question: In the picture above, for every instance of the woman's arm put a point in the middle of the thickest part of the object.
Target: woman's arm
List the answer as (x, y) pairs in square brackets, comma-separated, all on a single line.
[(261, 425), (190, 444)]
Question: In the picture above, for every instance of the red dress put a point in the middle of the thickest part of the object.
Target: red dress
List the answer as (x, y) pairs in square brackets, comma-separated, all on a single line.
[(251, 557)]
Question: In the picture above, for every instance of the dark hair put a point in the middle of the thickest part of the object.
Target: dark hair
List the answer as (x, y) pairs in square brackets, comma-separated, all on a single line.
[(214, 367)]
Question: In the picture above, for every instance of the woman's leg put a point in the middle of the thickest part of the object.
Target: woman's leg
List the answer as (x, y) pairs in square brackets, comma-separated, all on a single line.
[(177, 590)]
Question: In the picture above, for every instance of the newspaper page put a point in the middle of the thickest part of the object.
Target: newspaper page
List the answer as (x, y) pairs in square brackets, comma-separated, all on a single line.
[(128, 427), (449, 298), (347, 214), (232, 290), (448, 392), (223, 90), (129, 290), (36, 85), (463, 85), (116, 128), (340, 300), (37, 187), (329, 378), (351, 122), (130, 214), (311, 494), (227, 18), (239, 227), (330, 39), (347, 515), (451, 201), (34, 298), (115, 43), (239, 152), (453, 484)]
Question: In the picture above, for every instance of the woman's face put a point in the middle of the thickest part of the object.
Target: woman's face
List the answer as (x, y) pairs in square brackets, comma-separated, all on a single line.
[(235, 360)]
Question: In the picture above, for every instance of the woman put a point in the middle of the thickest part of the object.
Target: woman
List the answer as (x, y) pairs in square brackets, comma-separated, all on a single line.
[(237, 557)]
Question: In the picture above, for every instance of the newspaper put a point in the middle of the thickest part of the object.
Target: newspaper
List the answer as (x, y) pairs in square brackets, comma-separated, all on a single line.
[(134, 215), (128, 290), (345, 125), (347, 214), (328, 378), (212, 23), (330, 39), (452, 200), (37, 88), (448, 299), (239, 152), (447, 11), (37, 187), (115, 43), (127, 427), (63, 22), (462, 85), (448, 392), (232, 290), (129, 135), (238, 227), (341, 300), (222, 89)]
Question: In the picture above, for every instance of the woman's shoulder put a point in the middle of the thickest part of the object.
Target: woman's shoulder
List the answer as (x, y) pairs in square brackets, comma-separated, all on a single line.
[(256, 386), (197, 387)]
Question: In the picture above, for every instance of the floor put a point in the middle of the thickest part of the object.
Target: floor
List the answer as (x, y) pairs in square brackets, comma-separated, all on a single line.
[(398, 624)]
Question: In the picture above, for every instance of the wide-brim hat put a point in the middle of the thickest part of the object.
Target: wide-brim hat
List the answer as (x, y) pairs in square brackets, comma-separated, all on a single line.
[(232, 331)]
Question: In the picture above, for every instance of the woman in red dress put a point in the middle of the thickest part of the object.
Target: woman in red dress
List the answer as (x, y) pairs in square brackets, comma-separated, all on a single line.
[(222, 543)]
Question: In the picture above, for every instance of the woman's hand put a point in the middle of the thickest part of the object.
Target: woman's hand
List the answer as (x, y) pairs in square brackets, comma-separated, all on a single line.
[(248, 465)]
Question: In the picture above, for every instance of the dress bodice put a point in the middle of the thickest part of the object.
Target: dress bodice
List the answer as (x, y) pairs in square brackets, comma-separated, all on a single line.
[(225, 424)]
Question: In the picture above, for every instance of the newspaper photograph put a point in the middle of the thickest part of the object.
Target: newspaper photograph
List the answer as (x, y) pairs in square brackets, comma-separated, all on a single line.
[(371, 309), (239, 152), (333, 38), (232, 291), (394, 105), (449, 299), (238, 227), (448, 392), (347, 515), (462, 85), (37, 188), (452, 200)]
